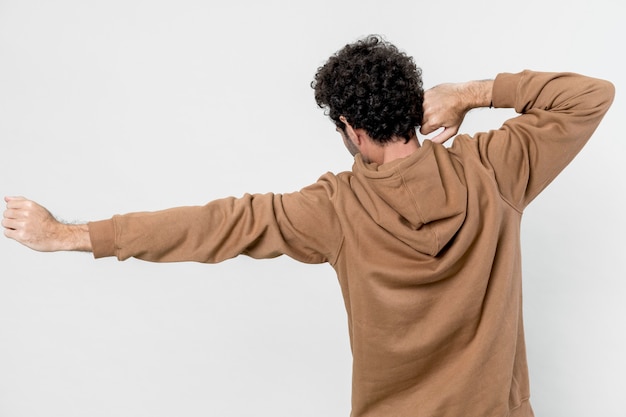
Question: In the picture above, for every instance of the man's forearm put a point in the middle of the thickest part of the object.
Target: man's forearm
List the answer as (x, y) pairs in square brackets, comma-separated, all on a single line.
[(475, 94)]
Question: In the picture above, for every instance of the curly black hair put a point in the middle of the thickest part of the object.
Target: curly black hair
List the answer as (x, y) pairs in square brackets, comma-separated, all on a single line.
[(374, 86)]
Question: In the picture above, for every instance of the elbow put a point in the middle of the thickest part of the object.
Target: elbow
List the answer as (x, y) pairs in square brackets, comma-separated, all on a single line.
[(606, 94)]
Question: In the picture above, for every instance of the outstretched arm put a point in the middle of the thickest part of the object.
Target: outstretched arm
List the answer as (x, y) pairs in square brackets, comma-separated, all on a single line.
[(32, 225), (446, 105), (257, 225)]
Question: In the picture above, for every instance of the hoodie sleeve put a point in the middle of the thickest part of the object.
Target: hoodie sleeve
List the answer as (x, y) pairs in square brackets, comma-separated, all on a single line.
[(302, 225), (559, 113)]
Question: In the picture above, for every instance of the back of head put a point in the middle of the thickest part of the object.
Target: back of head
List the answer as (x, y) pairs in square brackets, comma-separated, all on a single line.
[(374, 86)]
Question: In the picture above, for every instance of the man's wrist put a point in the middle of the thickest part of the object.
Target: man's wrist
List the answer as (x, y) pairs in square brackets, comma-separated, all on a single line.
[(74, 237), (477, 94)]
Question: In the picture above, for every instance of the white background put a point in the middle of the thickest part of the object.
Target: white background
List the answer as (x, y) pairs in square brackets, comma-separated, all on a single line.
[(115, 106)]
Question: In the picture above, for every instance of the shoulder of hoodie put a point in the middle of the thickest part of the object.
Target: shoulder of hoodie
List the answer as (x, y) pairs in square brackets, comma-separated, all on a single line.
[(330, 184), (466, 147)]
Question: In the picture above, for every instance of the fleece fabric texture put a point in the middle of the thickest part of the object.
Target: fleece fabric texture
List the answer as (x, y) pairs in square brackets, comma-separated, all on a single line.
[(426, 250)]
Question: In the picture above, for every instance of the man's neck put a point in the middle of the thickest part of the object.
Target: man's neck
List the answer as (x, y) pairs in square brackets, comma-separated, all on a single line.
[(397, 149)]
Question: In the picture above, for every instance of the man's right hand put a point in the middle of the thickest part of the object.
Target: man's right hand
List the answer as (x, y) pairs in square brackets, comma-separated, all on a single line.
[(33, 226)]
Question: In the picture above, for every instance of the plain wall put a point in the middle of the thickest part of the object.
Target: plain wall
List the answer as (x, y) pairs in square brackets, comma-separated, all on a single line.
[(114, 106)]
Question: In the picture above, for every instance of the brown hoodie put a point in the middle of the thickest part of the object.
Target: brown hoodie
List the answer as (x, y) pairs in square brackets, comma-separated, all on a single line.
[(426, 249)]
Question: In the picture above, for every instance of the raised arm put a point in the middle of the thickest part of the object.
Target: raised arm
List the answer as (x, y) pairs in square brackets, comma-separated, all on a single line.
[(558, 113), (32, 225)]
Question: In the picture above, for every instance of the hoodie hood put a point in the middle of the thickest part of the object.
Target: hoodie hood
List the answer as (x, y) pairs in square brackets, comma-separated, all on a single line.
[(423, 210)]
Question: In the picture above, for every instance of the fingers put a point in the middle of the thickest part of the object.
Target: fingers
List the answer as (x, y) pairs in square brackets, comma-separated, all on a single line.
[(431, 123), (10, 214), (20, 207), (10, 233), (15, 202), (17, 210), (8, 220), (445, 134), (427, 129), (448, 126), (441, 132), (10, 223), (13, 198)]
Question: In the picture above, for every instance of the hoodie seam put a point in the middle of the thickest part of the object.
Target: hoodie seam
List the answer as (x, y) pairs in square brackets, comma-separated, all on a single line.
[(116, 236), (509, 203), (419, 212), (337, 253)]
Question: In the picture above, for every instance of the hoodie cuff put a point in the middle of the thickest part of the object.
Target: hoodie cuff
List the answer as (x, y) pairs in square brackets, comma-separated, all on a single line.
[(505, 90), (102, 236)]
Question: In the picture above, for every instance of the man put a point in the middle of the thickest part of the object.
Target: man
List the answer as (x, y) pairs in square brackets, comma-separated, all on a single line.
[(424, 239)]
